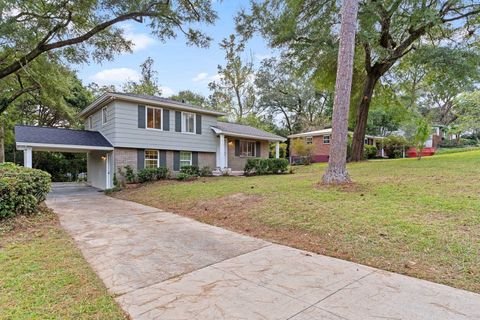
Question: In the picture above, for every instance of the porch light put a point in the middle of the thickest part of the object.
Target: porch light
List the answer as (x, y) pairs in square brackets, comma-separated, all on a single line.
[(103, 158)]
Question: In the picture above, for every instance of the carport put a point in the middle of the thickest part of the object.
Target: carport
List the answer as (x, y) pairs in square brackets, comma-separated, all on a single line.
[(99, 150)]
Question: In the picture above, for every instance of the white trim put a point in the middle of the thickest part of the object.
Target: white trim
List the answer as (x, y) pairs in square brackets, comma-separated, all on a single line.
[(27, 157), (277, 150), (146, 118), (107, 172), (180, 158), (194, 122), (254, 149), (247, 136), (60, 146), (145, 158), (104, 115)]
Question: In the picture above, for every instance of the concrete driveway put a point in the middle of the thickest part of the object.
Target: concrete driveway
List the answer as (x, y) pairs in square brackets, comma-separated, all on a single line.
[(163, 266)]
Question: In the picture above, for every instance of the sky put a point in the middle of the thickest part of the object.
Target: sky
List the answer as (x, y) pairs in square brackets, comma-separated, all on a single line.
[(179, 66)]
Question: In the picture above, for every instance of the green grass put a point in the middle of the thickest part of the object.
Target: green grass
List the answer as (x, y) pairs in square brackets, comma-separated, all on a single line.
[(44, 276), (455, 150), (416, 217)]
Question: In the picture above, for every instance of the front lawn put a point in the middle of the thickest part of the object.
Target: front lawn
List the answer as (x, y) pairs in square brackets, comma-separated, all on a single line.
[(420, 218), (44, 276)]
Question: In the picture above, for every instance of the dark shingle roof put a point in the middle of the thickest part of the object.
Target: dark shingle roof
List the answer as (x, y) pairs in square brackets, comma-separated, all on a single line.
[(46, 135), (242, 129)]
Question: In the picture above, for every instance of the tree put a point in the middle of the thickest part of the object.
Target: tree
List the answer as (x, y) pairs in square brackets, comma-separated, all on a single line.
[(337, 162), (191, 97), (302, 149), (148, 84), (388, 31), (467, 111), (76, 30), (281, 91), (421, 136), (234, 92)]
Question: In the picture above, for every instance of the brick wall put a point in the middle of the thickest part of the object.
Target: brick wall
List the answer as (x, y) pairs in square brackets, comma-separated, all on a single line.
[(320, 150), (125, 157), (238, 163)]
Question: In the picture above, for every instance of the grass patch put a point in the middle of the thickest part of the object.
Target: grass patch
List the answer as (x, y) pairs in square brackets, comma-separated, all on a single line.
[(455, 150), (44, 276), (420, 218)]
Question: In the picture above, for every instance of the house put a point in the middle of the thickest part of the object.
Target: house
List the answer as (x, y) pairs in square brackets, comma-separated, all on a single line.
[(321, 140), (148, 131)]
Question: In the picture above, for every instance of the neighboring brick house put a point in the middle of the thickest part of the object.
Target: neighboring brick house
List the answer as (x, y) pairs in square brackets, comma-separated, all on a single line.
[(321, 139), (148, 131)]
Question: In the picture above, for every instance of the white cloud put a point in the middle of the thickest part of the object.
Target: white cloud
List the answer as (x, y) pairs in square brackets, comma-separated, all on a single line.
[(215, 77), (167, 91), (200, 77), (115, 76), (141, 41)]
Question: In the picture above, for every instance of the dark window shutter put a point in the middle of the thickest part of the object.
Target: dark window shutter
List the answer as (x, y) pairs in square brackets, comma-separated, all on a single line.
[(141, 117), (237, 148), (257, 149), (140, 159), (195, 159), (176, 160), (199, 124), (166, 120), (178, 121), (163, 158)]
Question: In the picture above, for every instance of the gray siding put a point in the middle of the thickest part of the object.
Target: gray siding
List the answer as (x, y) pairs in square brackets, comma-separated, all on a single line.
[(128, 135), (107, 129), (96, 170)]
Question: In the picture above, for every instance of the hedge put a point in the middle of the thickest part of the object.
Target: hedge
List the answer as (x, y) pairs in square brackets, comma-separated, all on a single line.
[(151, 174), (21, 189), (262, 166)]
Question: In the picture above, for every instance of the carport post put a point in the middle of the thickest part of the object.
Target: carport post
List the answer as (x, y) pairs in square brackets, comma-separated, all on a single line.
[(27, 157), (277, 150)]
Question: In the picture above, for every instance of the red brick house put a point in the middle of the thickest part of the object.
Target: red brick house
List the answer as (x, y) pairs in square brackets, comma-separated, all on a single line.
[(321, 139)]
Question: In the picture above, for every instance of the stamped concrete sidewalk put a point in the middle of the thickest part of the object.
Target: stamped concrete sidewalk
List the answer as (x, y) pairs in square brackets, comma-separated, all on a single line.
[(163, 266)]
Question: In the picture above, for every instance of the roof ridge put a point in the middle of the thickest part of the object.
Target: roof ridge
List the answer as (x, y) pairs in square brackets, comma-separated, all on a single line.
[(56, 128)]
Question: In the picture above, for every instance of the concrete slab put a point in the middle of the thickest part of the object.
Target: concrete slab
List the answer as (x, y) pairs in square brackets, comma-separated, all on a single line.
[(163, 266)]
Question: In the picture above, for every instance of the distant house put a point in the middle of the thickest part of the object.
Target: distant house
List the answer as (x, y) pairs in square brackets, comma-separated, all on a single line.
[(148, 131), (321, 139)]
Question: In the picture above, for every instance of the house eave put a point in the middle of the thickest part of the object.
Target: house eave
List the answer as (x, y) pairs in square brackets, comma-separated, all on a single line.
[(21, 145), (247, 136)]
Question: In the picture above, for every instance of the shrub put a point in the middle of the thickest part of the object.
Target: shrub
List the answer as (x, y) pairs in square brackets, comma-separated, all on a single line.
[(369, 151), (261, 166), (394, 146), (129, 174), (183, 176), (300, 148), (151, 174), (190, 170), (21, 189), (206, 172), (461, 143)]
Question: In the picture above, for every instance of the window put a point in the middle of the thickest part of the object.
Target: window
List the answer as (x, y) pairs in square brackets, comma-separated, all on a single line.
[(154, 118), (151, 158), (309, 140), (90, 124), (104, 115), (326, 139), (247, 149), (188, 122), (185, 159)]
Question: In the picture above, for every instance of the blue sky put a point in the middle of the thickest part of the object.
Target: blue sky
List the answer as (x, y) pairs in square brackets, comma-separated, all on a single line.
[(179, 66)]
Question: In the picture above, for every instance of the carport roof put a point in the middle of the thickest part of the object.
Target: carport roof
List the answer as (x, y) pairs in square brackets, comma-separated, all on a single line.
[(34, 136)]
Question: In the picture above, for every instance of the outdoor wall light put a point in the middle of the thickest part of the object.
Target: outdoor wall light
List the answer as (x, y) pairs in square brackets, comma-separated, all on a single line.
[(103, 158)]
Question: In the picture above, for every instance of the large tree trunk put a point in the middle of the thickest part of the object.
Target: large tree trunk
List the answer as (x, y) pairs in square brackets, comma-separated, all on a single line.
[(337, 163), (362, 117)]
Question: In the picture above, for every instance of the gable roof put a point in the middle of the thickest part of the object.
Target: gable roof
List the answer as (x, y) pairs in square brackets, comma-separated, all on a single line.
[(36, 136), (144, 99), (241, 130)]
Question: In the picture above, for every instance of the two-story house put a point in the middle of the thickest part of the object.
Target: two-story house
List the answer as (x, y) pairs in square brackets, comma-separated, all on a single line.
[(148, 131)]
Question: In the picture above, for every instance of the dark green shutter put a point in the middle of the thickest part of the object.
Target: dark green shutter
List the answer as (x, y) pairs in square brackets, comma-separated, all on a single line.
[(166, 120), (195, 159), (176, 160), (140, 159), (257, 149), (163, 158), (178, 121), (141, 116), (237, 148), (199, 124)]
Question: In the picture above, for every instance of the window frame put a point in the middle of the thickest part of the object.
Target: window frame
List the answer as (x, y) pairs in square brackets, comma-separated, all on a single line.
[(104, 115), (161, 118), (307, 139), (90, 123), (150, 159), (180, 159), (184, 122), (324, 136), (254, 149)]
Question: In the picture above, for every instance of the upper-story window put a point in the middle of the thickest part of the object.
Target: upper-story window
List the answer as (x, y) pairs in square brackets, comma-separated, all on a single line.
[(188, 122), (154, 118), (104, 115), (326, 139), (309, 140), (247, 148), (90, 123)]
